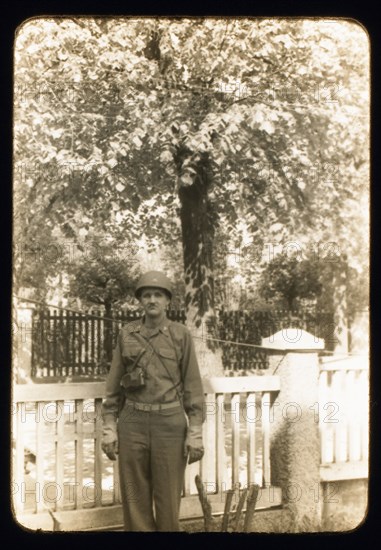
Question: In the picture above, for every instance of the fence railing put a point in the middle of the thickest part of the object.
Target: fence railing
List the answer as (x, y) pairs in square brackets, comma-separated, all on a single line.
[(344, 417), (66, 344), (57, 439), (58, 466)]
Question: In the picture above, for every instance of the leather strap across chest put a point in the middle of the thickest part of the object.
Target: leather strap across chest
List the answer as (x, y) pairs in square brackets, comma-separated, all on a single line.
[(150, 347)]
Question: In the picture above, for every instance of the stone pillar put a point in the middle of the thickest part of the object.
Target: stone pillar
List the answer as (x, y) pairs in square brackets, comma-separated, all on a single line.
[(294, 428), (359, 332), (22, 346)]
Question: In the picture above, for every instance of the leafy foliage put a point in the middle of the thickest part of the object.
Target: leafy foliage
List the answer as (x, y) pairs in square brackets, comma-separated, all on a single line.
[(106, 281), (189, 130), (290, 278)]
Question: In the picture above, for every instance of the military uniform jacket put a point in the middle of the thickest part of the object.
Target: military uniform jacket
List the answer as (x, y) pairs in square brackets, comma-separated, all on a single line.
[(180, 374)]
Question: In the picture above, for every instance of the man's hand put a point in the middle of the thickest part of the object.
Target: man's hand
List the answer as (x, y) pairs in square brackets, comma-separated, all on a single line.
[(195, 454), (110, 436), (193, 444), (111, 449)]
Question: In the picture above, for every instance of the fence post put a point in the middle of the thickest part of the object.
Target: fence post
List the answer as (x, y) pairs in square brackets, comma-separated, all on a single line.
[(294, 428)]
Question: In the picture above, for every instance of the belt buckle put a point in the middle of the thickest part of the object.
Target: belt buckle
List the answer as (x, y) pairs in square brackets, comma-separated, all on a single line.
[(146, 407)]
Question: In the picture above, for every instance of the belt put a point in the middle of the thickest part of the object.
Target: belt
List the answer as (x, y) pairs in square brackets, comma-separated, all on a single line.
[(152, 406)]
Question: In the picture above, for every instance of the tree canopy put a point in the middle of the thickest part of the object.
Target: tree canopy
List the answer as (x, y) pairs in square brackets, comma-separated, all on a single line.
[(192, 132), (290, 279)]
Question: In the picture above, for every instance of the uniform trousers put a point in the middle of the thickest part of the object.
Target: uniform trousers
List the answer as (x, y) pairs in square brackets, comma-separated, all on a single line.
[(151, 467)]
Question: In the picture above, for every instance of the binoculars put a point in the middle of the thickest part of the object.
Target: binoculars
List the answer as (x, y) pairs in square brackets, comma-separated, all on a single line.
[(133, 380)]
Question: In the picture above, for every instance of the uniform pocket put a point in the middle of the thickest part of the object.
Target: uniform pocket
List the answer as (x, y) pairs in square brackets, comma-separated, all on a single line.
[(133, 355), (167, 353), (176, 413), (168, 357), (169, 367)]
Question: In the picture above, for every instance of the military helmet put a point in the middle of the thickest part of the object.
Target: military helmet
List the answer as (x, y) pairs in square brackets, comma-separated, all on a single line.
[(154, 279)]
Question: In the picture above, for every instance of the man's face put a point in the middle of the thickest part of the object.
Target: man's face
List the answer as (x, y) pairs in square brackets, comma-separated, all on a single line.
[(154, 301)]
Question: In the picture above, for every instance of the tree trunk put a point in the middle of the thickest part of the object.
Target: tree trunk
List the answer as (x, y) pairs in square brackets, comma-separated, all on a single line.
[(291, 302), (198, 222)]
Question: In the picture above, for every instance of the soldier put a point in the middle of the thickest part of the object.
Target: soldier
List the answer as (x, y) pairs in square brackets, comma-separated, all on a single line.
[(152, 413)]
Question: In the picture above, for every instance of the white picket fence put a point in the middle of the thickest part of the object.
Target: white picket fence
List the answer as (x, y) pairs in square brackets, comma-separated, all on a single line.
[(61, 425), (344, 417)]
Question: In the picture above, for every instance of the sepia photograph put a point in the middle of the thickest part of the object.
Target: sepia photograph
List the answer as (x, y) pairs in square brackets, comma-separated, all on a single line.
[(190, 295)]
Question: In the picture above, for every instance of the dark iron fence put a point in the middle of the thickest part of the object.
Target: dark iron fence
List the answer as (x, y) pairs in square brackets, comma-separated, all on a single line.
[(250, 327), (67, 344)]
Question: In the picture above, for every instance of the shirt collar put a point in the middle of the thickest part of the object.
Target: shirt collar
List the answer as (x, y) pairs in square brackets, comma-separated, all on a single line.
[(163, 327)]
